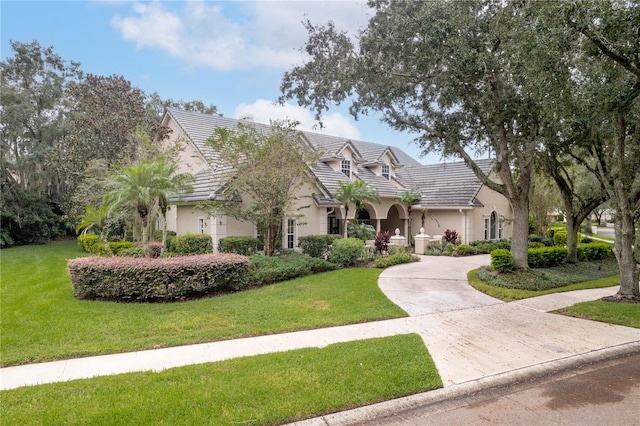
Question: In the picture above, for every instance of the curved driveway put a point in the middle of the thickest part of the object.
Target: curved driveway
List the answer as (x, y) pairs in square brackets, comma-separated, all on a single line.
[(435, 284), (471, 335)]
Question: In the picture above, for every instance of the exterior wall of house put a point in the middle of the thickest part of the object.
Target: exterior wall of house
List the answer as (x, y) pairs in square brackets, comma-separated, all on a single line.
[(436, 222), (189, 160), (492, 201)]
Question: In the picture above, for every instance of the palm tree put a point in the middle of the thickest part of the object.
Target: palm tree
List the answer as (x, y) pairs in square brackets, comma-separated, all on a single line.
[(133, 185), (144, 185), (95, 218), (409, 198), (168, 185), (356, 193)]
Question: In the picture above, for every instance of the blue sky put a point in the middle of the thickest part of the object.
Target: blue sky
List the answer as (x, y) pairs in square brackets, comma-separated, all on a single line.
[(231, 54)]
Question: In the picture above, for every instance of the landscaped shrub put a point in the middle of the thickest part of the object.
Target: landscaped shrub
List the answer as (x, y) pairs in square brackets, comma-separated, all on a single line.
[(594, 251), (560, 237), (486, 247), (189, 244), (157, 235), (86, 242), (91, 243), (164, 279), (382, 241), (547, 257), (361, 231), (245, 246), (316, 245), (271, 269), (451, 236), (533, 244), (395, 259), (464, 250), (136, 251), (346, 251), (502, 260)]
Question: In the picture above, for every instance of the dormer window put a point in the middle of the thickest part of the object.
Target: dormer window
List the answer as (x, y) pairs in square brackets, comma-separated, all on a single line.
[(346, 167), (385, 171)]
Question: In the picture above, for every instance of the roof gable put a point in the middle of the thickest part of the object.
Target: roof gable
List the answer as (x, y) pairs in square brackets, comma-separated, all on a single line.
[(445, 185)]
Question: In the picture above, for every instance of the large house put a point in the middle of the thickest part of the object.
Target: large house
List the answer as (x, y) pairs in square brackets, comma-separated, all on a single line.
[(451, 196)]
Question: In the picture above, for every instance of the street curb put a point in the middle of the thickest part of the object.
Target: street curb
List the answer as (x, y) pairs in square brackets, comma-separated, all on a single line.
[(387, 408)]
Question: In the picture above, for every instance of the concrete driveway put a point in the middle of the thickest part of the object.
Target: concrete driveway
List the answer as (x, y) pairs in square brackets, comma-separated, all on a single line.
[(435, 284), (471, 335)]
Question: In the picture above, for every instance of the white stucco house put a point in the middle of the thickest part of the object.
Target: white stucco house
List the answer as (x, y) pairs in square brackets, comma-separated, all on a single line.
[(452, 197)]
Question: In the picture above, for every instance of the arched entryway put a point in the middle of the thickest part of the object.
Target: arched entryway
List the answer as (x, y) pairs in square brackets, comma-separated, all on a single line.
[(394, 220)]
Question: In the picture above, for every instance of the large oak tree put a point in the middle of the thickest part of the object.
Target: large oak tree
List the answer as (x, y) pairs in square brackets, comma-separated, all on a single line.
[(457, 73)]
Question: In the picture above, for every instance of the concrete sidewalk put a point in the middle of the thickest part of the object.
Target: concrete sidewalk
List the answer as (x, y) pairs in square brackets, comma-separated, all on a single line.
[(469, 335)]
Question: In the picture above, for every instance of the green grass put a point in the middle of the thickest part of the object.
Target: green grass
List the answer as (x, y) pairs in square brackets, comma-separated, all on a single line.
[(520, 285), (511, 294), (42, 321), (627, 314), (260, 390)]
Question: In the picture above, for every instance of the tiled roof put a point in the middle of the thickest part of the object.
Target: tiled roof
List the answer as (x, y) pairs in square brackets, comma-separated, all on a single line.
[(445, 185), (441, 185)]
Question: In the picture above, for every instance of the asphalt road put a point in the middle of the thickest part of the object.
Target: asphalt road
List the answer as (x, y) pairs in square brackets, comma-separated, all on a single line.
[(605, 393)]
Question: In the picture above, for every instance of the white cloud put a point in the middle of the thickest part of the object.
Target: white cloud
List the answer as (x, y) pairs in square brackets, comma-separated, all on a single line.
[(227, 36), (263, 111)]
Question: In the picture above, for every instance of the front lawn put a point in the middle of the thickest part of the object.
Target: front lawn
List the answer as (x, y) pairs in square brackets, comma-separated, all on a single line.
[(261, 390), (42, 321), (627, 314), (537, 282)]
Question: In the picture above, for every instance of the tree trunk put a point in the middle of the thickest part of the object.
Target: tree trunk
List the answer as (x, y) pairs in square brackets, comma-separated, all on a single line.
[(145, 236), (346, 221), (572, 237), (623, 249), (520, 236), (163, 249)]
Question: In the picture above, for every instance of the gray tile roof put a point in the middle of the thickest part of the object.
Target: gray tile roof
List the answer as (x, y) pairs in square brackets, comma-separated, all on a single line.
[(441, 185), (445, 185)]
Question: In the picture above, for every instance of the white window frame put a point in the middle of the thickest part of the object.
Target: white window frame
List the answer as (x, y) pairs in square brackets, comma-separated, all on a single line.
[(201, 225), (486, 228), (386, 171), (291, 234), (345, 167)]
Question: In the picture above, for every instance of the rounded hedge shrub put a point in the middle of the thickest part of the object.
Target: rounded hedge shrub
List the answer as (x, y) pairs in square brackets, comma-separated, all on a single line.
[(346, 251), (164, 279), (395, 259), (560, 237), (316, 245), (245, 246), (502, 260), (464, 250), (188, 244)]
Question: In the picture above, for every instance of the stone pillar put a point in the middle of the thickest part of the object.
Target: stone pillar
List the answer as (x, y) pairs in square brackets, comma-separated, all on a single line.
[(422, 241), (398, 240), (218, 229)]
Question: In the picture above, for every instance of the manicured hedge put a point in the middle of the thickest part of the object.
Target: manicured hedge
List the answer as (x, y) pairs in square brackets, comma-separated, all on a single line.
[(272, 269), (560, 237), (395, 259), (316, 245), (91, 243), (464, 250), (594, 251), (502, 260), (188, 244), (164, 279), (346, 251), (487, 246), (547, 257), (245, 246)]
